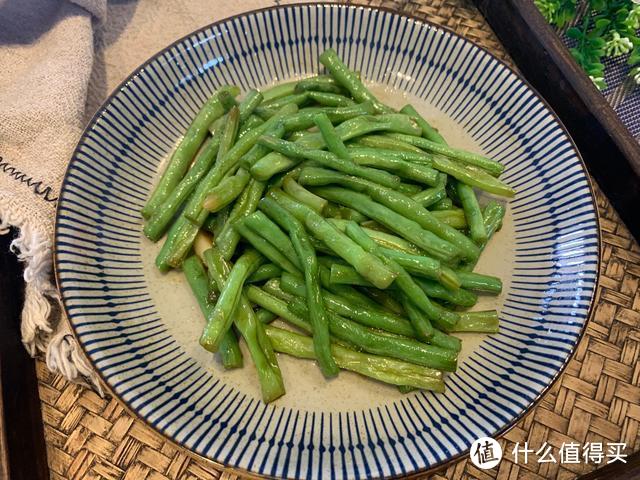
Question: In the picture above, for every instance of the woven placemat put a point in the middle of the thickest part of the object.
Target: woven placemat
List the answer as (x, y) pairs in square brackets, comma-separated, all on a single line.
[(597, 399)]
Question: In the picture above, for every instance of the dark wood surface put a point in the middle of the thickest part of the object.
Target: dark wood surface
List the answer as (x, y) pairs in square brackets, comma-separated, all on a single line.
[(611, 153), (22, 446)]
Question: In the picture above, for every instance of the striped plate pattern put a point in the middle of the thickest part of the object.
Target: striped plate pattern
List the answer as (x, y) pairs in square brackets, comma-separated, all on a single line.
[(107, 296)]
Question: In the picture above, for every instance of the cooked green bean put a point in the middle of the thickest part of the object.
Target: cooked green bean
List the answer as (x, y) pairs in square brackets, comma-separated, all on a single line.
[(251, 329), (259, 151), (443, 204), (162, 216), (468, 158), (293, 99), (399, 123), (252, 122), (187, 148), (438, 338), (248, 104), (472, 213), (318, 83), (227, 239), (302, 195), (460, 296), (307, 257), (381, 238), (345, 77), (428, 131), (389, 144), (481, 322), (384, 369), (276, 306), (265, 316), (366, 264), (370, 315), (479, 282), (230, 352), (265, 247), (407, 228), (402, 348), (406, 169), (278, 91), (270, 231), (331, 138), (265, 272), (328, 159), (226, 191), (330, 99), (222, 316), (493, 216), (473, 176), (304, 118)]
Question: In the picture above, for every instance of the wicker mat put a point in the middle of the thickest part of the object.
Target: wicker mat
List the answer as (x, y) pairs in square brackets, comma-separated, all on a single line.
[(597, 399)]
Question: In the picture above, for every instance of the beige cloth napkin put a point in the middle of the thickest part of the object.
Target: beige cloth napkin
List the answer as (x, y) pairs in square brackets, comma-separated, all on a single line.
[(59, 60)]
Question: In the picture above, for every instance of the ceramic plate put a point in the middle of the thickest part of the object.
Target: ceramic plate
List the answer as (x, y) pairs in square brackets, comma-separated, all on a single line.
[(140, 329)]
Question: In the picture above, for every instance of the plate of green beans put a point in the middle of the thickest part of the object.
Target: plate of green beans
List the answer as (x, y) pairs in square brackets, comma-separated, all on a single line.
[(327, 255)]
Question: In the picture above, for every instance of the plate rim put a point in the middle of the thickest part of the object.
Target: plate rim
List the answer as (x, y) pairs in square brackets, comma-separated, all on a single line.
[(327, 3)]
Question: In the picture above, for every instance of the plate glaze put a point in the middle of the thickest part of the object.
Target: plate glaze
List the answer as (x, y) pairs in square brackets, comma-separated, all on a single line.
[(140, 328)]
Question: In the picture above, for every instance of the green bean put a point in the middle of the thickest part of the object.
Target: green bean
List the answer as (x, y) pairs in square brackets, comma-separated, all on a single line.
[(428, 131), (267, 167), (493, 215), (251, 329), (430, 196), (380, 368), (454, 218), (437, 338), (222, 316), (349, 80), (479, 282), (230, 352), (270, 231), (278, 91), (412, 171), (345, 274), (248, 104), (370, 315), (226, 191), (265, 272), (265, 247), (259, 151), (162, 216), (265, 316), (399, 123), (381, 238), (293, 99), (227, 159), (184, 230), (389, 144), (407, 228), (481, 322), (307, 256), (473, 176), (211, 223), (304, 118), (384, 299), (404, 282), (406, 349), (472, 213), (328, 159), (443, 204), (276, 306), (227, 238), (273, 287), (331, 138), (468, 158), (461, 297), (318, 83), (366, 264), (302, 195), (330, 99), (187, 148)]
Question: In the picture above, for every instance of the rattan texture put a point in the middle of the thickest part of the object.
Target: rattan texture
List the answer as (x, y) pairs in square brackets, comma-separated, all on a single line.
[(596, 399)]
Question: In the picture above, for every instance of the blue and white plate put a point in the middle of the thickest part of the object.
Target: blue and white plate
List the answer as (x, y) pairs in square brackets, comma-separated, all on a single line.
[(140, 329)]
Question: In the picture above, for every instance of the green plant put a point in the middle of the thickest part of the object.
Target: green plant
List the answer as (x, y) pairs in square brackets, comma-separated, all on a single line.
[(608, 28)]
